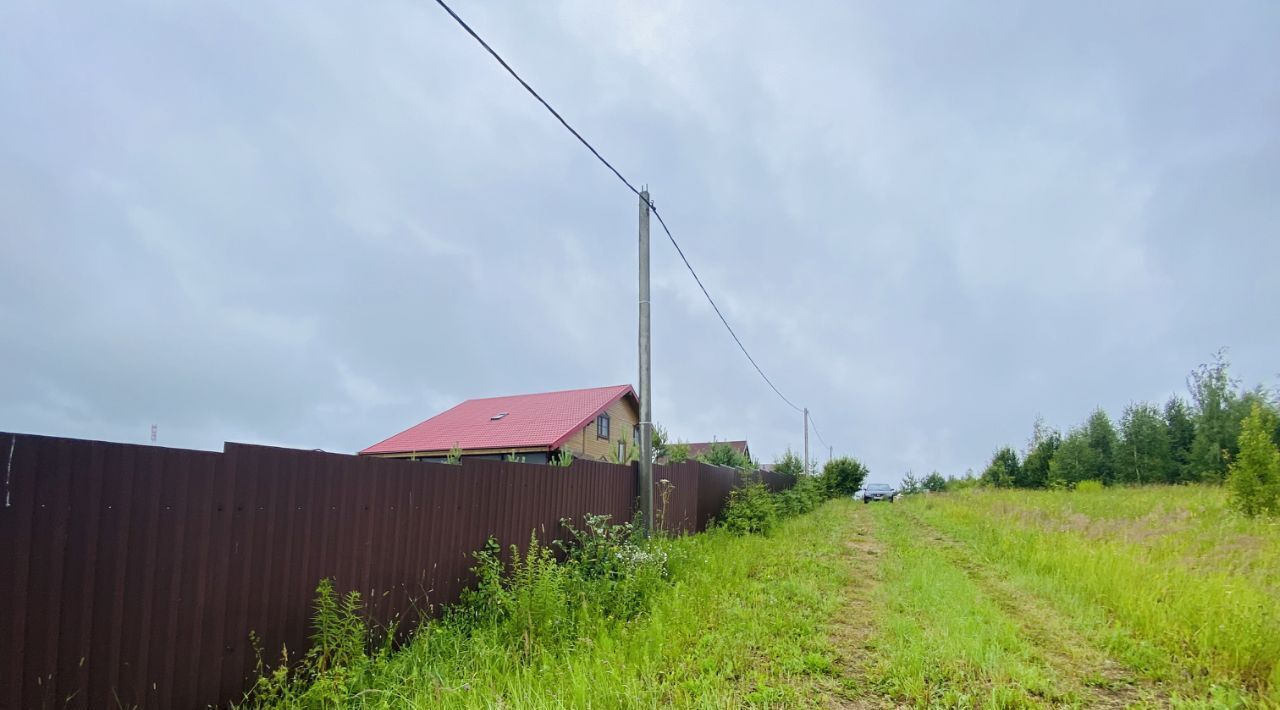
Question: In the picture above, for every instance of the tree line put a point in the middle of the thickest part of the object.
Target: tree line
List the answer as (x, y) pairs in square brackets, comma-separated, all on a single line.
[(1222, 434)]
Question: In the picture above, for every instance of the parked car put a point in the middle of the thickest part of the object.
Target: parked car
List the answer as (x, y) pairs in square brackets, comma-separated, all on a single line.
[(878, 491)]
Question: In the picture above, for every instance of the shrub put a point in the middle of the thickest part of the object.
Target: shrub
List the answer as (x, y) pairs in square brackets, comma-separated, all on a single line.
[(1089, 486), (805, 495), (843, 476), (934, 483), (1254, 476), (751, 509), (722, 454), (789, 463)]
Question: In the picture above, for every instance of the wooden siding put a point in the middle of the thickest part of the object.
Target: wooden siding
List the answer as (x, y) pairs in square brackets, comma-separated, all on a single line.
[(623, 417)]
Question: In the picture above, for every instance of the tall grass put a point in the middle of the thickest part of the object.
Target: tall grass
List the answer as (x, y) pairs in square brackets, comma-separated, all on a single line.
[(730, 620), (1172, 567)]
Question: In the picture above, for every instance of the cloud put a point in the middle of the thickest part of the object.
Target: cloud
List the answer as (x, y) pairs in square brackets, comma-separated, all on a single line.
[(315, 225)]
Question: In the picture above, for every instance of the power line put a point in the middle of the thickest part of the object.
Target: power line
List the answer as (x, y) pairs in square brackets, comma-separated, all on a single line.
[(630, 186), (813, 425)]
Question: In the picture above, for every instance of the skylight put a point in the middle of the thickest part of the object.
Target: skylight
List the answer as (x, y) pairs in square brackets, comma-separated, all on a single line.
[(497, 416)]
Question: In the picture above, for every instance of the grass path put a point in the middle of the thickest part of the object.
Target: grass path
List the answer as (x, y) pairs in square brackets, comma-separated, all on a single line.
[(1084, 668), (924, 622)]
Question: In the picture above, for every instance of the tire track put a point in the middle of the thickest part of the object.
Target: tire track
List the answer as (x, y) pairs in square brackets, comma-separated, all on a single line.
[(852, 629), (1097, 678)]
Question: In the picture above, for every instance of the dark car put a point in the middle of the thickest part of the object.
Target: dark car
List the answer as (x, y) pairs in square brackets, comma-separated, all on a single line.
[(878, 491)]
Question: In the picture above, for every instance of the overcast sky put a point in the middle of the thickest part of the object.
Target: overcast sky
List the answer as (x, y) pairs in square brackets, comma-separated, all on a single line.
[(316, 224)]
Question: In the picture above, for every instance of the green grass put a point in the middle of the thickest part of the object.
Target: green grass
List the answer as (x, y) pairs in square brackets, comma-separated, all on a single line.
[(941, 640), (741, 623), (1167, 580), (1149, 597)]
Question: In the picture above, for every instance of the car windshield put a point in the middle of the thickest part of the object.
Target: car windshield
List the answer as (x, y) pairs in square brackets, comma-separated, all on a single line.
[(878, 487)]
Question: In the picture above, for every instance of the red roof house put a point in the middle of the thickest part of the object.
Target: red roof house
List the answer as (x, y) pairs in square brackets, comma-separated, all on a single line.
[(591, 423)]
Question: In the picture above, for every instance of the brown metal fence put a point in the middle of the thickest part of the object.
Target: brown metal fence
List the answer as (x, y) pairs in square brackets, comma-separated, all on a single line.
[(133, 575)]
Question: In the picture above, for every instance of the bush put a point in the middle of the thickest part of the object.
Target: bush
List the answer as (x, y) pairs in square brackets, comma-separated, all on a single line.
[(934, 483), (1254, 477), (805, 495), (789, 464), (843, 476), (723, 454), (1089, 486), (751, 509)]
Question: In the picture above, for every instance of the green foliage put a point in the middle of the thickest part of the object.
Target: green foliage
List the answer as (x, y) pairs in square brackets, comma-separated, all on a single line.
[(722, 454), (564, 459), (536, 605), (1036, 471), (1074, 461), (751, 509), (1145, 455), (1213, 393), (1104, 441), (934, 483), (805, 495), (338, 659), (1004, 470), (677, 452), (842, 476), (965, 482), (1181, 430), (789, 463), (1254, 476), (1089, 486), (630, 452), (455, 455), (660, 442), (513, 457), (910, 484)]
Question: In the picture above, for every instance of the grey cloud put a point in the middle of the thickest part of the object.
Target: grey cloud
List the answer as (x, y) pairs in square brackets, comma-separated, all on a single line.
[(314, 225)]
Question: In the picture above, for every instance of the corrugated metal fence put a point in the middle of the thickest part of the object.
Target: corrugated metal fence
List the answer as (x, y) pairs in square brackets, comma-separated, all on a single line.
[(132, 575)]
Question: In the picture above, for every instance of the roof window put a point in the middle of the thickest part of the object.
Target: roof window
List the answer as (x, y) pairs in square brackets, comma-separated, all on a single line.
[(497, 416)]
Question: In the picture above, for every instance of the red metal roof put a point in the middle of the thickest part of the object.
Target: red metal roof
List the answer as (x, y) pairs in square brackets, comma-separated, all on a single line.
[(541, 420)]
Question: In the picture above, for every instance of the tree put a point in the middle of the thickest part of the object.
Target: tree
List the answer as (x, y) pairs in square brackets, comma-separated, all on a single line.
[(1254, 476), (935, 483), (1003, 471), (1145, 455), (1035, 465), (677, 452), (1182, 432), (789, 463), (722, 454), (1074, 461), (842, 476), (1212, 393), (660, 442), (910, 484), (1104, 442)]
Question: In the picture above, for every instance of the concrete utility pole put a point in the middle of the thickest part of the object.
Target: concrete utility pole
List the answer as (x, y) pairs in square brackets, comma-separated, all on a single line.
[(646, 404), (806, 440)]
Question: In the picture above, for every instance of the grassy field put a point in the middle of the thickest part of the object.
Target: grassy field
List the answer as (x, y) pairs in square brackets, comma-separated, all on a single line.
[(1152, 597), (1155, 596)]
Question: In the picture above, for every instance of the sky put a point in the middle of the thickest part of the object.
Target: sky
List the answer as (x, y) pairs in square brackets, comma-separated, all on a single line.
[(317, 224)]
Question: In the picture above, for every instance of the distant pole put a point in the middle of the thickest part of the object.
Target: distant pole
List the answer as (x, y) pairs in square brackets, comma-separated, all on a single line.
[(806, 440), (829, 449), (646, 403)]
